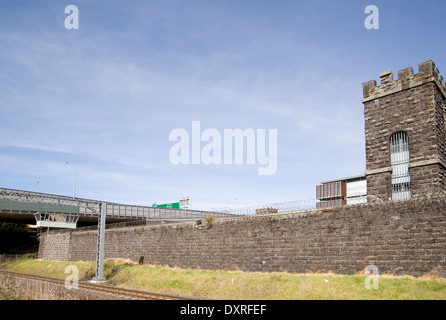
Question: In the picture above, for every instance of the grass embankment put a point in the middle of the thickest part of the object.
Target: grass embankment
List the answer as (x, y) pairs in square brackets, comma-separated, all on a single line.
[(239, 285)]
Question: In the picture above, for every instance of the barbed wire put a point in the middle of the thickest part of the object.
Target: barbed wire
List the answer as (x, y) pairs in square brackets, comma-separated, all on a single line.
[(289, 206), (298, 205)]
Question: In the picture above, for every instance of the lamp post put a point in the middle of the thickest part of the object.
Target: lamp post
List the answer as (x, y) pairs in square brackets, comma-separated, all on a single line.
[(74, 182)]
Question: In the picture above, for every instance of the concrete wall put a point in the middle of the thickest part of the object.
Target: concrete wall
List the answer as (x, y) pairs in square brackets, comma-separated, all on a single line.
[(401, 237)]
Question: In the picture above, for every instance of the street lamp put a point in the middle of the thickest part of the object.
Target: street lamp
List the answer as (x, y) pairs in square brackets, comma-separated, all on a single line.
[(74, 183)]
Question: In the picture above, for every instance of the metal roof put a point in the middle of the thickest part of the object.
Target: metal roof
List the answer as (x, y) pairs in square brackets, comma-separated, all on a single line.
[(345, 179)]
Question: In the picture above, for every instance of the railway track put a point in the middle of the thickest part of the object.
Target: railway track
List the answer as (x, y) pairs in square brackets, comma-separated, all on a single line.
[(119, 293)]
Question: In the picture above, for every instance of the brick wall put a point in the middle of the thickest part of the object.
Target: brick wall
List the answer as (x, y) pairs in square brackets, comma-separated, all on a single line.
[(402, 237)]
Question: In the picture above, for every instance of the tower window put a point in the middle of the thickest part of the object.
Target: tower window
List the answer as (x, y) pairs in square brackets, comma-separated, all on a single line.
[(399, 161)]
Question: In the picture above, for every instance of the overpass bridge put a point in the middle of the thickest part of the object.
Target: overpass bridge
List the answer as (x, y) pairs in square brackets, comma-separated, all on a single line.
[(22, 206), (55, 211)]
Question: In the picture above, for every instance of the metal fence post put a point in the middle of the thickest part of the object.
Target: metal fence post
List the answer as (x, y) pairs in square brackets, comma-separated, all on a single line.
[(101, 241)]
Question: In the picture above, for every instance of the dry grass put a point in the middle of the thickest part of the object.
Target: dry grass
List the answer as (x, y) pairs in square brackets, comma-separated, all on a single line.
[(222, 284)]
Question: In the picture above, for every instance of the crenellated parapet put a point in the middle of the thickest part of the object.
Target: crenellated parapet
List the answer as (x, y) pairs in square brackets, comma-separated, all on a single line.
[(427, 72)]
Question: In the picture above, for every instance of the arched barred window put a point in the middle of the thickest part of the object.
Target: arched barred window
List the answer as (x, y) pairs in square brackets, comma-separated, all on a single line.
[(399, 161)]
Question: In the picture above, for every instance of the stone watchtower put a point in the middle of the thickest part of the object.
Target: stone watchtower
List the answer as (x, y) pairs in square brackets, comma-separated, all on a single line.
[(405, 134)]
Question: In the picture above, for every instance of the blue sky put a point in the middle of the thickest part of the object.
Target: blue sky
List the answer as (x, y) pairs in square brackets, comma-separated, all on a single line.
[(101, 101)]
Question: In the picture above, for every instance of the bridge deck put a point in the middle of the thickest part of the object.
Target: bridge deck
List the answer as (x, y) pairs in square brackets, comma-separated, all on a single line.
[(21, 205)]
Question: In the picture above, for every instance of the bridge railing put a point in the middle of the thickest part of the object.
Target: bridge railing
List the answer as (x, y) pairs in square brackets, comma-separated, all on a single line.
[(28, 201), (153, 213)]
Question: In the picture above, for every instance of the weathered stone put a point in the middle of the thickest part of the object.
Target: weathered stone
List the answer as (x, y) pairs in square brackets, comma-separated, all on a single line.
[(392, 235), (415, 103)]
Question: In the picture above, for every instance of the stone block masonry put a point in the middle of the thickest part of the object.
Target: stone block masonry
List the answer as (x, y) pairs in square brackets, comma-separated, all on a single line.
[(18, 288), (400, 237)]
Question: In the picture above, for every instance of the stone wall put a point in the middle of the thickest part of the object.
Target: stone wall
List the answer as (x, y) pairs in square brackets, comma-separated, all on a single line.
[(14, 287), (401, 237), (57, 246)]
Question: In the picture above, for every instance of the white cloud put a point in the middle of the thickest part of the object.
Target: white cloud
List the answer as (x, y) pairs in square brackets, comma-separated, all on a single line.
[(109, 95)]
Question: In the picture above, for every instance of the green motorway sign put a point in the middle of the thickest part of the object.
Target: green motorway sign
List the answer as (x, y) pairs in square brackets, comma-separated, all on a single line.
[(173, 205)]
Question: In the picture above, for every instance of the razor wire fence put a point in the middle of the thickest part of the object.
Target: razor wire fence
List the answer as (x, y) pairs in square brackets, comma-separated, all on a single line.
[(290, 206), (296, 205)]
